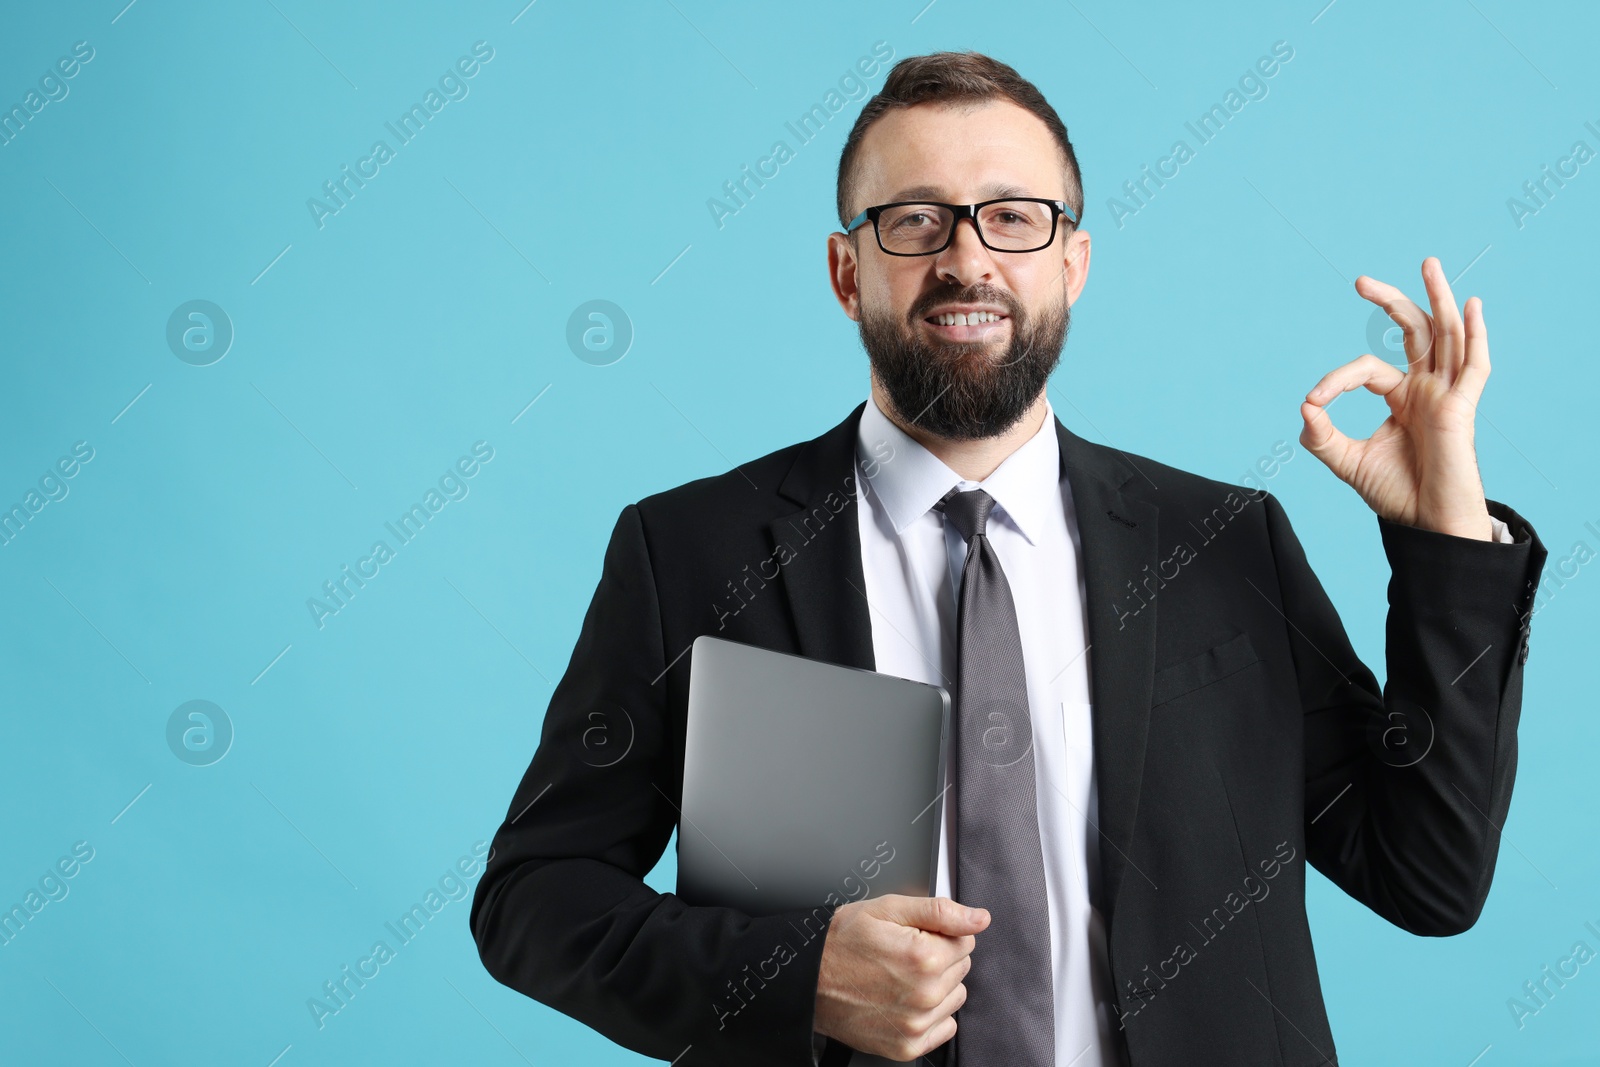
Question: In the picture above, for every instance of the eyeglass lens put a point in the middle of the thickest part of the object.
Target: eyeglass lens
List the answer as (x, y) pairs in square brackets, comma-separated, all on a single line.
[(1010, 225)]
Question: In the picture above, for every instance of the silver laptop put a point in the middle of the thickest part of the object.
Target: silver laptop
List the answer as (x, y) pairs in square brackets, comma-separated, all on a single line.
[(806, 782)]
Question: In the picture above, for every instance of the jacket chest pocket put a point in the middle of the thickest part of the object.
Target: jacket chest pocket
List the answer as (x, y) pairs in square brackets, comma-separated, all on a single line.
[(1196, 672)]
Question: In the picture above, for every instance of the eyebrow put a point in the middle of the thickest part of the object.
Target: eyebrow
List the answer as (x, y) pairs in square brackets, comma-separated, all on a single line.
[(933, 192)]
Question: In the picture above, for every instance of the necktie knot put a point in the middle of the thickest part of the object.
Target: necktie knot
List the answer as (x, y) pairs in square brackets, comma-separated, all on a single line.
[(968, 510)]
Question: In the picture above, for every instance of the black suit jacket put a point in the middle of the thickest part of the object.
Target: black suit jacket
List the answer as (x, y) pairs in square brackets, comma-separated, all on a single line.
[(1237, 737)]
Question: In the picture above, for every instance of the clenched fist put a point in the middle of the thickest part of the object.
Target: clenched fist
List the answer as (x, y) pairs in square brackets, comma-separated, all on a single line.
[(890, 978)]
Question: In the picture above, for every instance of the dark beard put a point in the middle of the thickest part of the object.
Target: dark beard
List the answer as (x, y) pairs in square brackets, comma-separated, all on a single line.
[(964, 390)]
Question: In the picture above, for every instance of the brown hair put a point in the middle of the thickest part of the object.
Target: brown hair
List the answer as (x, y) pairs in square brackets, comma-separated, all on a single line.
[(958, 78)]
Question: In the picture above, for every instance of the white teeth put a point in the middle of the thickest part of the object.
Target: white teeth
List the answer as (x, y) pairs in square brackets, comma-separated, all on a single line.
[(972, 319)]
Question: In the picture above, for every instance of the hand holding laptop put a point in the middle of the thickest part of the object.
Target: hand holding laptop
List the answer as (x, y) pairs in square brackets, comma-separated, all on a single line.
[(811, 786), (892, 970)]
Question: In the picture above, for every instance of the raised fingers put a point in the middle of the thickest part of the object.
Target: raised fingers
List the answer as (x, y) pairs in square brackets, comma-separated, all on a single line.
[(1448, 342), (1475, 363), (1413, 320)]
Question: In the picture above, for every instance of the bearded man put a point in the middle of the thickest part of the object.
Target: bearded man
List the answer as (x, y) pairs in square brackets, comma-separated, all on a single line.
[(1158, 719)]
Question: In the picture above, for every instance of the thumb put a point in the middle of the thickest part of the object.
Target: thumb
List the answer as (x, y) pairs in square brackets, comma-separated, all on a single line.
[(939, 915), (1322, 439)]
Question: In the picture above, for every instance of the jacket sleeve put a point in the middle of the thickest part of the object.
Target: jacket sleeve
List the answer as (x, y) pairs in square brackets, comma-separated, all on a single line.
[(562, 914), (1406, 787)]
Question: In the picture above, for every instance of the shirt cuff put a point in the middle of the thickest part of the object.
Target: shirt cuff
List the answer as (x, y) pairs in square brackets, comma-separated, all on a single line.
[(1502, 532)]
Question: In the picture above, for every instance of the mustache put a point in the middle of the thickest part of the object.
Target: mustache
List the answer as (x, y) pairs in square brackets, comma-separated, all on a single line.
[(956, 390), (968, 295), (1024, 325)]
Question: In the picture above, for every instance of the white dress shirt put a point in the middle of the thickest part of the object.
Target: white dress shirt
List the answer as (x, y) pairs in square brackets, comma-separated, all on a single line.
[(912, 562)]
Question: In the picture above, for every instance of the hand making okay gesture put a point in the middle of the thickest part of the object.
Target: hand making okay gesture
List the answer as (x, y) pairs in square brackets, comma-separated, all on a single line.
[(1419, 467)]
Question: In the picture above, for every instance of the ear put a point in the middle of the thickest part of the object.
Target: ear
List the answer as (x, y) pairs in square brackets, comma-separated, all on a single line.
[(842, 273), (1075, 264)]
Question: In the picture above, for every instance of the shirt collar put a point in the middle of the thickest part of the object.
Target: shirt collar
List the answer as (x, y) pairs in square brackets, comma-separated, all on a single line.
[(914, 479)]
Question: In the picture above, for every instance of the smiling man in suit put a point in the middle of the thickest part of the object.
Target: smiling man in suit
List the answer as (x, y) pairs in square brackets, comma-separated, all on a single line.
[(1158, 717)]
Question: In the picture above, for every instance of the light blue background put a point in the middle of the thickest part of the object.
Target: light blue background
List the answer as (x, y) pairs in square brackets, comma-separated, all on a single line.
[(432, 309)]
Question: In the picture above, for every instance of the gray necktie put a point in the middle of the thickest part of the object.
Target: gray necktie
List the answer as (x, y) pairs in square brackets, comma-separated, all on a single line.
[(1008, 1019)]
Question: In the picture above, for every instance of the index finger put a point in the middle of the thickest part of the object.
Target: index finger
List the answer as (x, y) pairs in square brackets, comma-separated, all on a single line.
[(1408, 316), (941, 951), (957, 945)]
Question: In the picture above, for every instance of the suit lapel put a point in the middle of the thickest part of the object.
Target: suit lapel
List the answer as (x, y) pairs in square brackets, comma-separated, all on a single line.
[(822, 573), (823, 581), (1118, 533)]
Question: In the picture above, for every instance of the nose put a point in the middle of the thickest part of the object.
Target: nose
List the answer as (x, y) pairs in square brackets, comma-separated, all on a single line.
[(965, 261)]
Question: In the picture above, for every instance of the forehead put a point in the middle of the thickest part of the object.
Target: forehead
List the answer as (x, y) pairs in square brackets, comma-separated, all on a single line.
[(961, 153)]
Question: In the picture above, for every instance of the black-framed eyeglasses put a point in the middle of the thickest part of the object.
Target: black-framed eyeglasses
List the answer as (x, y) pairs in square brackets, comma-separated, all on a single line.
[(925, 227)]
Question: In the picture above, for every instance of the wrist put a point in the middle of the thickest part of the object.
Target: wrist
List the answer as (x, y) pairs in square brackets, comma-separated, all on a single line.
[(1476, 527)]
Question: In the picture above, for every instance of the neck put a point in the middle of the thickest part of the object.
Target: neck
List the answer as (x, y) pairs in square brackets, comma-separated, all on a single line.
[(976, 459)]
